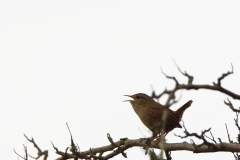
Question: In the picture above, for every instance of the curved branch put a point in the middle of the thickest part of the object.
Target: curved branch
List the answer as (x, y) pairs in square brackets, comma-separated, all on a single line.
[(123, 144), (223, 147), (190, 86), (209, 87)]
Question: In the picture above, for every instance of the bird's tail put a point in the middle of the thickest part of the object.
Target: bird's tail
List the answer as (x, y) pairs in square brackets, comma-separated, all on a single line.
[(180, 111)]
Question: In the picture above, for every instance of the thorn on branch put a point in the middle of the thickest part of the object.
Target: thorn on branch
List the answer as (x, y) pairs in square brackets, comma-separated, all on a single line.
[(219, 139), (110, 139), (54, 147), (124, 154), (74, 148), (193, 143), (168, 155)]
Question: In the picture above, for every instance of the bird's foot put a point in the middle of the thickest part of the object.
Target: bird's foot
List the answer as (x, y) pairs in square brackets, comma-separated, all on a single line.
[(158, 139), (148, 141), (143, 139), (148, 144)]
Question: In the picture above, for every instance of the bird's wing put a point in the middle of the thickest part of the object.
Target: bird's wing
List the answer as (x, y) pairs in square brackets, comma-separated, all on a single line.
[(157, 113)]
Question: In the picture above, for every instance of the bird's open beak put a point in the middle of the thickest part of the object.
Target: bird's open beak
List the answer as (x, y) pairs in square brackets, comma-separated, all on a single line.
[(129, 100)]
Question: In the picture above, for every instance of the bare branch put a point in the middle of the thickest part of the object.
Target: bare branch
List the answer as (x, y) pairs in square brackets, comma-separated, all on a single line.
[(202, 137), (190, 78), (160, 95), (40, 152), (236, 121), (74, 148), (209, 87), (119, 148), (190, 86), (169, 77), (26, 154), (224, 75), (211, 138), (228, 134), (229, 103), (226, 147)]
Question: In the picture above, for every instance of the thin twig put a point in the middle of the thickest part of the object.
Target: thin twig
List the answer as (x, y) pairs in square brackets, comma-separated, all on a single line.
[(228, 134)]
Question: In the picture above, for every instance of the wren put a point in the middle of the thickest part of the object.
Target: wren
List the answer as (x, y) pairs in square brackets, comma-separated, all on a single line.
[(157, 118)]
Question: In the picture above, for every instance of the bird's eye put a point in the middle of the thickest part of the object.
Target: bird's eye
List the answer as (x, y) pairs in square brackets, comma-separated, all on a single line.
[(137, 97)]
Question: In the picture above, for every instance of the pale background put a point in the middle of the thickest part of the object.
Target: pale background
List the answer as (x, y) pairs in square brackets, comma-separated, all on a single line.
[(71, 61)]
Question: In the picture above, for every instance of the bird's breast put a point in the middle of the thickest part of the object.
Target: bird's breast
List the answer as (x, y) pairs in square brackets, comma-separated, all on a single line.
[(146, 119)]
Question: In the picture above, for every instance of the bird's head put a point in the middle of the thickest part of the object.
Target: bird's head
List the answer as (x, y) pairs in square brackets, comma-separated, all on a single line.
[(139, 99)]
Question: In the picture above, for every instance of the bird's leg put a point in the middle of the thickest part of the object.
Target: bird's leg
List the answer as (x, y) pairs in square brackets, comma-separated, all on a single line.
[(160, 138), (148, 144), (156, 138), (149, 141)]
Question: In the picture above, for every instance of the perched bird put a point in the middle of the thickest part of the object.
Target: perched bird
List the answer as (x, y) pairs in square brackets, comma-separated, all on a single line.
[(154, 116)]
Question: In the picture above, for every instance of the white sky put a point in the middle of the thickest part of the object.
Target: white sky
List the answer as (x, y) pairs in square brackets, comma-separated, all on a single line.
[(71, 61)]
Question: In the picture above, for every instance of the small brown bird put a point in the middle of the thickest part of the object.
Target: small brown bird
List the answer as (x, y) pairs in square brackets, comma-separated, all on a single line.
[(151, 114)]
